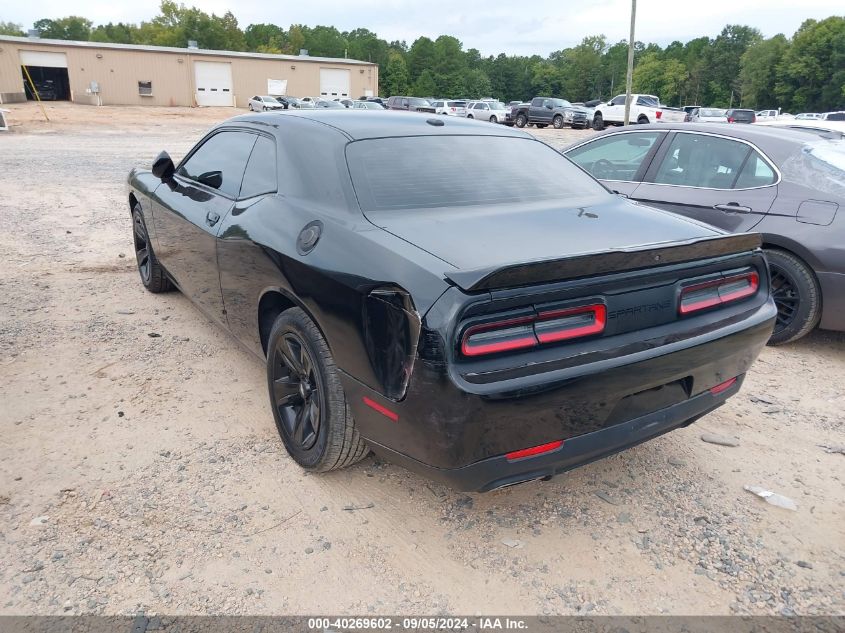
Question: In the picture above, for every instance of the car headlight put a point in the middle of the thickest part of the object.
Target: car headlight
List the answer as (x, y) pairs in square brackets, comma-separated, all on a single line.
[(567, 115)]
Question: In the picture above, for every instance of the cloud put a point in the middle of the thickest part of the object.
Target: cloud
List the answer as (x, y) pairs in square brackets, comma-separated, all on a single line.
[(492, 26)]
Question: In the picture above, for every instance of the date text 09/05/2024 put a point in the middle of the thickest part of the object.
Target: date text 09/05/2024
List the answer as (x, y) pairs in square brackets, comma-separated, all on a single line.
[(416, 623)]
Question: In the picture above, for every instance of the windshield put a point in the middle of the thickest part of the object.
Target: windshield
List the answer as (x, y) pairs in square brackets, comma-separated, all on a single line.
[(711, 112), (497, 105), (416, 101), (436, 177)]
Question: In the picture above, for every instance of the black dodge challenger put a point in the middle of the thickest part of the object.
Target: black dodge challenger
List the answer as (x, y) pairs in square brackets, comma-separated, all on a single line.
[(479, 327)]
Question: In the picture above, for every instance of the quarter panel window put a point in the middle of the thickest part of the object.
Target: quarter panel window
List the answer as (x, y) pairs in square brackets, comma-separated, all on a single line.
[(220, 161), (698, 160), (615, 157), (756, 173), (260, 175)]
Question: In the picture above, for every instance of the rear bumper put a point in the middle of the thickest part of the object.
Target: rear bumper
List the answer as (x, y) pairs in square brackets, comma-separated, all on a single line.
[(458, 432), (497, 472), (833, 301)]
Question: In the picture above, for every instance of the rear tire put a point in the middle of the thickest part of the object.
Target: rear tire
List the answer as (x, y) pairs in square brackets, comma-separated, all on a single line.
[(152, 274), (309, 406), (797, 296), (493, 119), (557, 122), (469, 116), (598, 122), (521, 120), (643, 120)]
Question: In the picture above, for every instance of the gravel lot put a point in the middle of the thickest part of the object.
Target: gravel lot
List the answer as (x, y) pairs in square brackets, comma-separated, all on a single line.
[(140, 468)]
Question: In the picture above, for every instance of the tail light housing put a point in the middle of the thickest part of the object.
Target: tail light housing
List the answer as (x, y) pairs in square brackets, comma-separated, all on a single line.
[(731, 120), (658, 114), (717, 292), (533, 330)]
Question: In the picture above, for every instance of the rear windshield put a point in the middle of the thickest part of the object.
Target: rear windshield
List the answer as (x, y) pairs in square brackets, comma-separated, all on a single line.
[(836, 116), (711, 112), (742, 114), (457, 104), (453, 171)]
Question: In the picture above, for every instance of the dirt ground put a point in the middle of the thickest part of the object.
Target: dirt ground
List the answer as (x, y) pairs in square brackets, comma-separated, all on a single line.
[(140, 467)]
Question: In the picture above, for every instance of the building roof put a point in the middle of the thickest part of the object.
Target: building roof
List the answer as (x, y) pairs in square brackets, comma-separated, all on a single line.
[(173, 49)]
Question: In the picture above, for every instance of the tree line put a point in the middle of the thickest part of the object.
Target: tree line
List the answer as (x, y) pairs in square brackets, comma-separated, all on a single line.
[(738, 67)]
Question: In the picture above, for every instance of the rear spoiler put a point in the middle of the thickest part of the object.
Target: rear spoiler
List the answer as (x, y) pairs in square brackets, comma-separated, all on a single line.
[(620, 260)]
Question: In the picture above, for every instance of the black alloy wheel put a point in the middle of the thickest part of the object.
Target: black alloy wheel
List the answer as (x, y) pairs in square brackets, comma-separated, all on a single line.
[(796, 294), (558, 122), (142, 248), (521, 120), (297, 391), (152, 274)]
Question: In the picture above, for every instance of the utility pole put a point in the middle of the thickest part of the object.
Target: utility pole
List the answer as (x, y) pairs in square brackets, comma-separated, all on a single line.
[(630, 76)]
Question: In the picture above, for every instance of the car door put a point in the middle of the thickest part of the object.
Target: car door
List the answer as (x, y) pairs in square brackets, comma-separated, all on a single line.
[(615, 110), (188, 210), (618, 160), (535, 109), (722, 181), (544, 112)]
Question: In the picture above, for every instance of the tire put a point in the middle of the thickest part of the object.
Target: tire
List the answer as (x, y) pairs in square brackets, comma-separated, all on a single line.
[(152, 274), (469, 116), (598, 122), (557, 122), (796, 294), (521, 120), (493, 119), (250, 108), (335, 442), (643, 120), (542, 126)]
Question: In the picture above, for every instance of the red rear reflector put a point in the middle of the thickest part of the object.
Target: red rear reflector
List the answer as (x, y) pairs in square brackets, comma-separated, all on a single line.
[(718, 292), (658, 114), (534, 450), (381, 409), (722, 386), (560, 325)]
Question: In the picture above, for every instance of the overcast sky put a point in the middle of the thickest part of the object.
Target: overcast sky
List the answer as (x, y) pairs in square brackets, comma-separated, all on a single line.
[(492, 26)]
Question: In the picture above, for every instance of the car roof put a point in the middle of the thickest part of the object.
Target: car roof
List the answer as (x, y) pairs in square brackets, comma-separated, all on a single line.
[(384, 123)]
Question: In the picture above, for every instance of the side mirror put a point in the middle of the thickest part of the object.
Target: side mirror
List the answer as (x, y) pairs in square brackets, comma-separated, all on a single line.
[(163, 167), (211, 178), (610, 103)]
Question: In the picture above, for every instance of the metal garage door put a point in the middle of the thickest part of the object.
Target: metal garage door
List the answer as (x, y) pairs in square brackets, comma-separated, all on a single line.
[(214, 83), (43, 59), (334, 83)]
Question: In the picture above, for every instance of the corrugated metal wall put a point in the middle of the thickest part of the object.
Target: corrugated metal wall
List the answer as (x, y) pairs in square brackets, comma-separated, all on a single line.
[(172, 74)]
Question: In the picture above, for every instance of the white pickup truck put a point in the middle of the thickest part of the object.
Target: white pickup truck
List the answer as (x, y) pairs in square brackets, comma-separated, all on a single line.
[(644, 109)]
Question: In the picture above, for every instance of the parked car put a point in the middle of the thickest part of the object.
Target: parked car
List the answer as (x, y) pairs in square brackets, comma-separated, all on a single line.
[(510, 115), (543, 111), (450, 108), (708, 115), (644, 109), (262, 103), (762, 115), (410, 104), (345, 102), (305, 105), (834, 116), (808, 116), (690, 108), (787, 184), (484, 331), (493, 111), (328, 104), (367, 105), (288, 102), (739, 115), (378, 100)]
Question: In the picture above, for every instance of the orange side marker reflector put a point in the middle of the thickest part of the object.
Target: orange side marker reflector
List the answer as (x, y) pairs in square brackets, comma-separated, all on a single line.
[(383, 410)]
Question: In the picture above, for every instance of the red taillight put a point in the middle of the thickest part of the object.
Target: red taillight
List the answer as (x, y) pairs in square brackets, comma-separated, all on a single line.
[(501, 336), (718, 292), (560, 325), (534, 450), (723, 386), (731, 120), (529, 331), (658, 114)]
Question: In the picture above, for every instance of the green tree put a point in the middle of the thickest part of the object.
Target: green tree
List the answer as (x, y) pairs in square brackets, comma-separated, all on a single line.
[(759, 71), (811, 75), (266, 38), (659, 76), (420, 57), (395, 80), (425, 85), (72, 27), (119, 33), (723, 59), (10, 28)]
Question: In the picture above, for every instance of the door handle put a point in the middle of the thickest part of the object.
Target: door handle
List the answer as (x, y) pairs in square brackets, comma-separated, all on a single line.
[(211, 218), (732, 207)]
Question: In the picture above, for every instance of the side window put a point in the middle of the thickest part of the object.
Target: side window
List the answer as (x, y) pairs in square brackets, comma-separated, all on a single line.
[(697, 160), (260, 175), (405, 103), (620, 100), (220, 162), (756, 173), (537, 103), (615, 157)]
